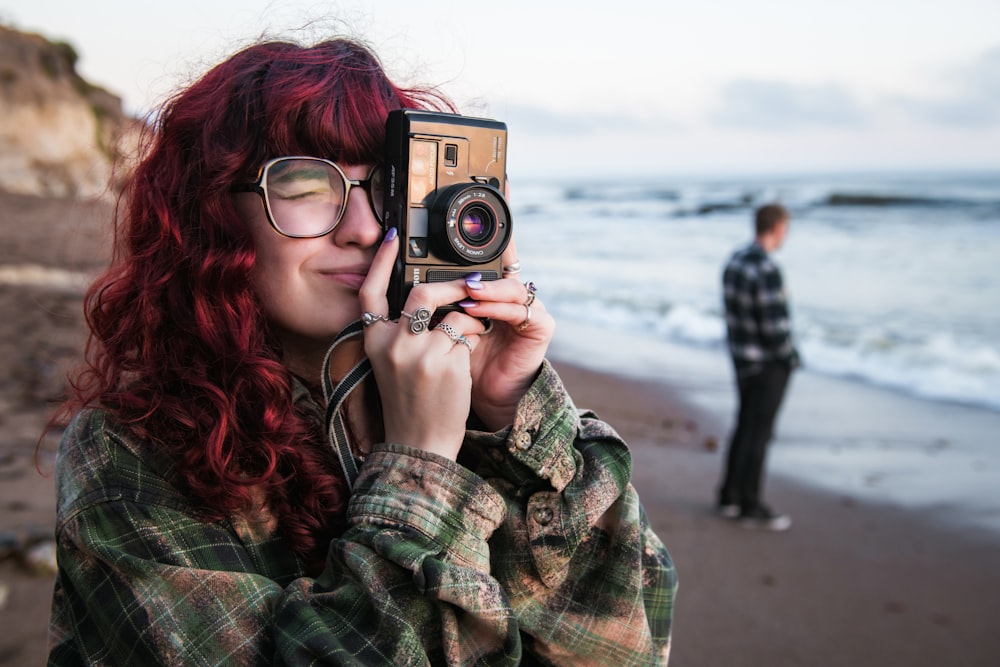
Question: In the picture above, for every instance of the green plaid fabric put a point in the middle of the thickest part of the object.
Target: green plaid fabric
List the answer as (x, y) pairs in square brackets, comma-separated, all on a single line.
[(534, 549)]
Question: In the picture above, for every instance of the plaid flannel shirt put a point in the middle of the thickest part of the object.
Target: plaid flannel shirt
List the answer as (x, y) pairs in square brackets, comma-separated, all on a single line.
[(758, 324), (535, 551)]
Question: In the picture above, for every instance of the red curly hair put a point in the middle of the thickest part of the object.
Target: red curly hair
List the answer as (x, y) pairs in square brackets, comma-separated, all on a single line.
[(179, 347)]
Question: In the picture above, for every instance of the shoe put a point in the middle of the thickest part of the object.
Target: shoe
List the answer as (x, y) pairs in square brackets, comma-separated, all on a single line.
[(728, 511), (764, 518)]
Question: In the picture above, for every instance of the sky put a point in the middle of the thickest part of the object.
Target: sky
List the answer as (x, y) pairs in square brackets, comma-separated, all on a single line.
[(643, 88)]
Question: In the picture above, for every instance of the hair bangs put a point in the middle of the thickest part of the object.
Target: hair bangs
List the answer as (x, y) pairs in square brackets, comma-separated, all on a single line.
[(330, 100)]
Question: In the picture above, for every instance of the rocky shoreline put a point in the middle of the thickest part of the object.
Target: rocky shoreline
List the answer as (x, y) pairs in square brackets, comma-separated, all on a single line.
[(60, 136)]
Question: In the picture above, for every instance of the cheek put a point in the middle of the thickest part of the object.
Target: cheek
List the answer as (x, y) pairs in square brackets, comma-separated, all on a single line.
[(270, 264), (273, 280)]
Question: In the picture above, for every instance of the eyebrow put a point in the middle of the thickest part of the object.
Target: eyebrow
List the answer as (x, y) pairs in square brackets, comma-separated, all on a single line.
[(300, 173)]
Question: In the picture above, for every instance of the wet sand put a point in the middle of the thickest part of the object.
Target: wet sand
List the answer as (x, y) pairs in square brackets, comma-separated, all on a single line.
[(863, 578)]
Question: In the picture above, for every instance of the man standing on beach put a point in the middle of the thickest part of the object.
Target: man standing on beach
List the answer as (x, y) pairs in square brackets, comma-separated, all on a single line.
[(764, 355)]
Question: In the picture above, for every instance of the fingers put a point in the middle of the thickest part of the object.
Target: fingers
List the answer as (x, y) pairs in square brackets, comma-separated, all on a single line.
[(419, 312), (426, 296), (509, 300), (423, 374), (456, 328), (454, 333), (371, 296)]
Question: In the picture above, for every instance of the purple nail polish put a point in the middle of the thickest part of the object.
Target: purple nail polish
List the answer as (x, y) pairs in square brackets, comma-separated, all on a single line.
[(473, 284), (468, 303), (389, 235), (475, 275)]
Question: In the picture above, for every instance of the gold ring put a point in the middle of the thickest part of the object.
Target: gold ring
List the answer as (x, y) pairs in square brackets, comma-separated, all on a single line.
[(527, 318), (530, 286)]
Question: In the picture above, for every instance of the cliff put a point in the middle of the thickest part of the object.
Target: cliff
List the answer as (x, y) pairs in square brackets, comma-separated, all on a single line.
[(59, 135)]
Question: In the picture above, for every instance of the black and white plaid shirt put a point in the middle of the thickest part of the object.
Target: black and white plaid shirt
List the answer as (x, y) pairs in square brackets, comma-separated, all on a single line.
[(757, 320)]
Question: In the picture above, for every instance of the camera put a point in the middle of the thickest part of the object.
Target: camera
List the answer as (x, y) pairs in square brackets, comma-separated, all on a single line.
[(443, 193)]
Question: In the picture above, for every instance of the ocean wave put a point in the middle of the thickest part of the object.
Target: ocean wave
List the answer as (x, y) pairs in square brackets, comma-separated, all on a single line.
[(937, 367), (866, 199), (891, 279), (618, 192), (977, 197)]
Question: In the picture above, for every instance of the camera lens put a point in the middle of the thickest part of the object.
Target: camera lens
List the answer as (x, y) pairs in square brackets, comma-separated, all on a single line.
[(476, 225), (469, 224)]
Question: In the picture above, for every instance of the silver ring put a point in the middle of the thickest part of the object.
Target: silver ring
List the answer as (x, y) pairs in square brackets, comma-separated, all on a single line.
[(527, 319), (448, 331), (530, 286), (464, 341), (419, 319), (368, 319), (512, 269)]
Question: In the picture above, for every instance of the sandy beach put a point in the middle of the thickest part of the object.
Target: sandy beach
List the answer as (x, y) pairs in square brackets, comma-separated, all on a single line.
[(48, 249), (854, 582), (882, 566)]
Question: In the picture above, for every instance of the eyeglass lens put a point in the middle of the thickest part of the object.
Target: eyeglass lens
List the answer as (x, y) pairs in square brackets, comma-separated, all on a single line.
[(308, 197)]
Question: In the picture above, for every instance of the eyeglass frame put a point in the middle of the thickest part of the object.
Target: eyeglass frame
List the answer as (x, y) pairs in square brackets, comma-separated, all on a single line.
[(258, 188)]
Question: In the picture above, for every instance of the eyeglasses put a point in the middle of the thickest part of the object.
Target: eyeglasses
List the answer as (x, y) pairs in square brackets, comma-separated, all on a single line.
[(305, 197)]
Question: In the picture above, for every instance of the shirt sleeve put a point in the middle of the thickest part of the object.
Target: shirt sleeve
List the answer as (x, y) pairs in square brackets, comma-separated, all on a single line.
[(440, 564), (141, 579), (588, 580)]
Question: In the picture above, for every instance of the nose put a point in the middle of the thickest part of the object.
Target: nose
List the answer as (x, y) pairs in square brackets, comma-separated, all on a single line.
[(358, 226)]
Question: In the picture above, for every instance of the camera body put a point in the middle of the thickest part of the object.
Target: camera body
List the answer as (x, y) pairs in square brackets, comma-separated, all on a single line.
[(445, 175)]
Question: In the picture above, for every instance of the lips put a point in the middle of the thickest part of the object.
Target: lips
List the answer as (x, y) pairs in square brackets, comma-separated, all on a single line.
[(352, 276)]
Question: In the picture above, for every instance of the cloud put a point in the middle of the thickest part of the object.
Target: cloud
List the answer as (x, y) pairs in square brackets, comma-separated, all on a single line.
[(778, 106), (536, 121), (974, 98)]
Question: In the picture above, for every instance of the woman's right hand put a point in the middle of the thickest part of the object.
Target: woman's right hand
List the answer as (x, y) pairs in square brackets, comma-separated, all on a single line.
[(424, 379)]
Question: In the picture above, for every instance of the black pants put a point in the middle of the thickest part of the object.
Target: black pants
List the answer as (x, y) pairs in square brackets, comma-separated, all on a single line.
[(760, 397)]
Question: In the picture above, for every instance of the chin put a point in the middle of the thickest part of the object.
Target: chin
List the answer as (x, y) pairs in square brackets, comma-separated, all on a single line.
[(336, 326), (336, 312)]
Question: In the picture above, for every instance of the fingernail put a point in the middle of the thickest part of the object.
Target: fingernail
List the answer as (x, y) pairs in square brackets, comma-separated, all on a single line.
[(475, 275), (468, 303), (472, 283), (390, 235)]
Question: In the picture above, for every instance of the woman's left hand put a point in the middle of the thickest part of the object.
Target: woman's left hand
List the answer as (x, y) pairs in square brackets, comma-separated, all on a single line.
[(507, 359)]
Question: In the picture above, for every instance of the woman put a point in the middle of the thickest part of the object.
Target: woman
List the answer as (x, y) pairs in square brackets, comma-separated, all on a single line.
[(204, 517)]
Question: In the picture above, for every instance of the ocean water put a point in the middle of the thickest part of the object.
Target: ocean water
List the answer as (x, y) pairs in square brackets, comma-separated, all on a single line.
[(893, 279)]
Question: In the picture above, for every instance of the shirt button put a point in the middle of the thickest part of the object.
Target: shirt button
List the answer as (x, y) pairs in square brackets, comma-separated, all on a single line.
[(523, 441), (543, 516)]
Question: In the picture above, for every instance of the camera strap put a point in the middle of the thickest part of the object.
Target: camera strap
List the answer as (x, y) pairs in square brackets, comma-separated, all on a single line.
[(335, 397)]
